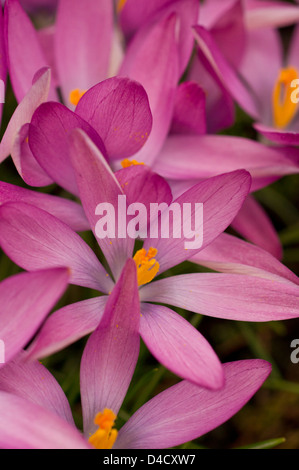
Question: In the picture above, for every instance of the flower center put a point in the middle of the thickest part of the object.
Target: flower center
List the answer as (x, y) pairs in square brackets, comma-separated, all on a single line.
[(283, 108), (106, 435), (147, 266), (75, 96), (126, 163)]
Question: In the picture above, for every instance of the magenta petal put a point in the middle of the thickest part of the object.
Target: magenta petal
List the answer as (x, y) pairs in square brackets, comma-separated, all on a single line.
[(222, 197), (152, 60), (179, 346), (261, 14), (225, 72), (278, 136), (48, 141), (97, 184), (67, 211), (229, 296), (185, 411), (30, 297), (118, 109), (190, 110), (33, 382), (82, 43), (3, 65), (37, 94), (254, 224), (191, 157), (49, 243), (67, 325), (25, 425), (25, 163), (24, 54), (111, 353), (229, 254)]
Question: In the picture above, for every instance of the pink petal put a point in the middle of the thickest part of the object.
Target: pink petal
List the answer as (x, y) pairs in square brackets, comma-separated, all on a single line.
[(190, 110), (49, 243), (67, 325), (82, 43), (185, 411), (30, 297), (179, 346), (111, 353), (267, 14)]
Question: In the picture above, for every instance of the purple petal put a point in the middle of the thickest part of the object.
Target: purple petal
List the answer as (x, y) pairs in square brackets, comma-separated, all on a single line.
[(229, 296), (118, 109), (18, 429), (48, 141), (152, 60), (190, 110), (222, 197), (278, 136), (33, 382), (267, 14), (185, 411), (254, 224), (82, 43), (97, 184), (229, 254), (67, 211), (49, 243), (24, 54), (179, 346), (30, 296), (37, 94), (67, 325), (111, 353)]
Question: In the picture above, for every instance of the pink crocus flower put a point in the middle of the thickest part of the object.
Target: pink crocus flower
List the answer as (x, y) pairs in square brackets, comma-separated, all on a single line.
[(26, 300), (181, 348), (31, 397)]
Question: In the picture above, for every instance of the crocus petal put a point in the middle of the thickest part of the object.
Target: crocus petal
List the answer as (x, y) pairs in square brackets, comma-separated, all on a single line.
[(225, 72), (254, 224), (97, 184), (18, 429), (263, 52), (37, 94), (49, 243), (24, 54), (111, 353), (25, 163), (191, 157), (179, 346), (82, 43), (36, 5), (185, 411), (3, 65), (33, 382), (30, 297), (48, 141), (278, 136), (67, 325), (229, 296), (266, 14), (292, 59), (152, 60), (189, 115), (229, 254), (137, 13), (222, 197), (118, 109), (46, 37), (67, 211)]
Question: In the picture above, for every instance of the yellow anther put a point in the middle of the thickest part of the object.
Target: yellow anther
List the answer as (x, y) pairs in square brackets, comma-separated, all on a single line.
[(106, 435), (75, 96), (120, 5), (147, 266), (283, 108), (126, 163)]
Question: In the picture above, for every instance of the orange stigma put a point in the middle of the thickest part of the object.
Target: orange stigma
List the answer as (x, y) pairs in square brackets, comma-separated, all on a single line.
[(105, 436), (284, 109), (75, 96), (126, 163), (147, 266), (120, 5)]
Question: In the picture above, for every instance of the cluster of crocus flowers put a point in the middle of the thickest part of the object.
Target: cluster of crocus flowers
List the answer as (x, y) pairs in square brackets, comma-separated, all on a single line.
[(125, 109)]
